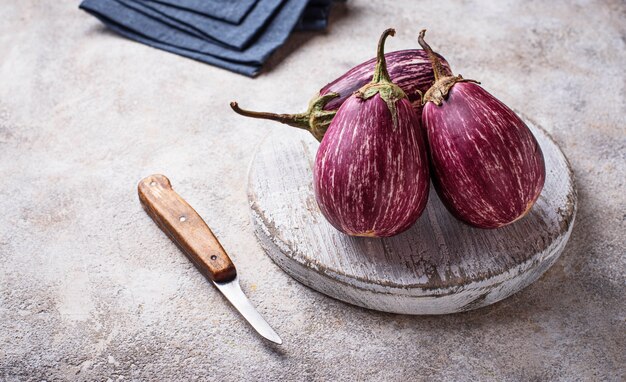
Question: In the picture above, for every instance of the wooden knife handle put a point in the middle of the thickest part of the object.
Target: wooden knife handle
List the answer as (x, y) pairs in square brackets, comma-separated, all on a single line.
[(185, 227)]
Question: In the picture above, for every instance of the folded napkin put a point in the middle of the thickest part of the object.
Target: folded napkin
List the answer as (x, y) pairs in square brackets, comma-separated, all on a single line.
[(198, 29), (226, 10), (232, 35), (315, 16)]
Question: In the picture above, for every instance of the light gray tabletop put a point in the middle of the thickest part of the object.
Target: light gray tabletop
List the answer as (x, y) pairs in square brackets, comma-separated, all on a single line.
[(90, 289)]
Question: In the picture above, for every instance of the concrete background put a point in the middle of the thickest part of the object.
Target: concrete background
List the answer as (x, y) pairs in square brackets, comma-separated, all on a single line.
[(90, 289)]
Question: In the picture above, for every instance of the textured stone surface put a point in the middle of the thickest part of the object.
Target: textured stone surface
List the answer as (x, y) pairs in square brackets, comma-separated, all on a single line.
[(90, 289)]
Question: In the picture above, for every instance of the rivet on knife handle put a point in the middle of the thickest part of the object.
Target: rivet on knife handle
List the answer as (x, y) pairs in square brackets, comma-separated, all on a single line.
[(185, 227)]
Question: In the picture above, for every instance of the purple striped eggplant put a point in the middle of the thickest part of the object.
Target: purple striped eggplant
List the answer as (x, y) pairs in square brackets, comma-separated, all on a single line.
[(371, 171), (487, 167), (409, 69)]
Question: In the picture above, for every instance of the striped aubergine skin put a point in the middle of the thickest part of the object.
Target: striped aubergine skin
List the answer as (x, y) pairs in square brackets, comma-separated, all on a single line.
[(410, 69), (371, 178), (487, 167)]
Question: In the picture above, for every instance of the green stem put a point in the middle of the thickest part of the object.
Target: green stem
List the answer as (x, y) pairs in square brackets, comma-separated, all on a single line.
[(438, 68), (380, 72), (300, 120)]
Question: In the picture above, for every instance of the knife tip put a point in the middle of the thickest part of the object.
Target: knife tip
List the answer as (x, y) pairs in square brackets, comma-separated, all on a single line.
[(275, 339)]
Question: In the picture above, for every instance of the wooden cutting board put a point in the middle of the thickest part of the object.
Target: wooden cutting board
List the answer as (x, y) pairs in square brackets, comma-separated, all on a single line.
[(438, 266)]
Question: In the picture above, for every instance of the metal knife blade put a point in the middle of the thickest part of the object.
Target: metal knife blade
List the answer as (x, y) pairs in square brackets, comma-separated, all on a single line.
[(234, 294)]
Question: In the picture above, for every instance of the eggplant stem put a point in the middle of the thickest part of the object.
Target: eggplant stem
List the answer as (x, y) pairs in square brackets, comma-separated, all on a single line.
[(438, 68), (300, 120), (461, 79), (380, 72)]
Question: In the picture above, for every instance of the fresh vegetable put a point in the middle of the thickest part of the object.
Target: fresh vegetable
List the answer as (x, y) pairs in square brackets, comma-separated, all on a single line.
[(371, 171), (409, 69), (487, 166)]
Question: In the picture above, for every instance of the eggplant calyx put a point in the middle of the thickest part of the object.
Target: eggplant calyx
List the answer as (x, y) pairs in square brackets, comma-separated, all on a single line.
[(315, 120), (381, 82), (319, 118), (440, 89), (389, 93)]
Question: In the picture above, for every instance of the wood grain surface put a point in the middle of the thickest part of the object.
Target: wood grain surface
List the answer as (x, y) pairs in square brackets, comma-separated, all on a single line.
[(185, 227), (438, 266)]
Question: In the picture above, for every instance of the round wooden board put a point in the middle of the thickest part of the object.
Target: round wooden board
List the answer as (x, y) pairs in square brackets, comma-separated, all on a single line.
[(438, 266)]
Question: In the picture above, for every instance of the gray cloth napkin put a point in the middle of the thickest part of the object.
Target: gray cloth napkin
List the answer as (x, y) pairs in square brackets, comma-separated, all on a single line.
[(232, 11), (205, 37)]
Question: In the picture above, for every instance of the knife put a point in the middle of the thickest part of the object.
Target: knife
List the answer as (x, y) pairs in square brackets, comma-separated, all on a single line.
[(192, 235)]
